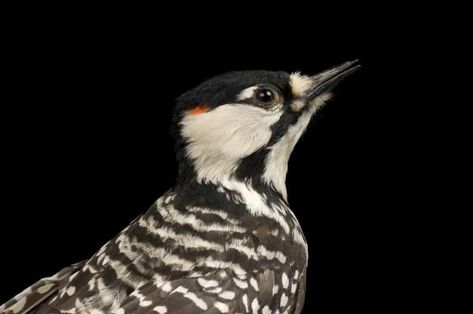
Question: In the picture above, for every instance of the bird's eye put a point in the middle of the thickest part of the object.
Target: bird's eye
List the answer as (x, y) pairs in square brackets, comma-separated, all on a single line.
[(266, 96)]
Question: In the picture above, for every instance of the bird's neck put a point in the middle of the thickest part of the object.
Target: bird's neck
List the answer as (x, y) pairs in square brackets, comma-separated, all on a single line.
[(249, 175), (263, 171), (229, 189)]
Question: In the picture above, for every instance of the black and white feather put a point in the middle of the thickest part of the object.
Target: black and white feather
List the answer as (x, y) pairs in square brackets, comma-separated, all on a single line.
[(224, 239)]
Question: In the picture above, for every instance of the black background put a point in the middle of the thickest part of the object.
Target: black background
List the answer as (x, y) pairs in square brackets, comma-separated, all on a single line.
[(86, 144)]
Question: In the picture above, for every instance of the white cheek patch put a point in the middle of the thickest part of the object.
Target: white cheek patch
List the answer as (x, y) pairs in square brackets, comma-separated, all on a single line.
[(219, 139), (300, 84)]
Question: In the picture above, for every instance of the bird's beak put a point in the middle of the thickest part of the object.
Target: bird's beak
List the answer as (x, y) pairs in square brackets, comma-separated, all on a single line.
[(327, 80)]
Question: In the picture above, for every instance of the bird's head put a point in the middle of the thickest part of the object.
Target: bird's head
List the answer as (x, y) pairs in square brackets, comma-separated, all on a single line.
[(244, 125)]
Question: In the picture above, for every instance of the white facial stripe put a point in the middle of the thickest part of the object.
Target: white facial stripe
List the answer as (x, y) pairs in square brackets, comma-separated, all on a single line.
[(247, 93), (300, 84), (278, 157), (219, 139)]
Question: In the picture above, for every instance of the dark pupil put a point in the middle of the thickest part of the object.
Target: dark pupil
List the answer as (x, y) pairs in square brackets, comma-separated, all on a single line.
[(265, 95)]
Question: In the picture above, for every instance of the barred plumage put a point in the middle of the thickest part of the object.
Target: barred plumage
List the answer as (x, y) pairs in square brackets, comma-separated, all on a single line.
[(223, 240)]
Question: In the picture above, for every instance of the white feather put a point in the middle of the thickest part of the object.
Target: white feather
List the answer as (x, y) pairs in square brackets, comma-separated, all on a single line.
[(247, 93), (300, 84)]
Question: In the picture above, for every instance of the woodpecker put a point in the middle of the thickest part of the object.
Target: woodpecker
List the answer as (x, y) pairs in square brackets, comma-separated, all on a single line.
[(223, 239)]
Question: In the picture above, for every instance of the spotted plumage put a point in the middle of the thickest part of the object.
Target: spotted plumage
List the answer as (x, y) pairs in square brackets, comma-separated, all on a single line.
[(223, 239)]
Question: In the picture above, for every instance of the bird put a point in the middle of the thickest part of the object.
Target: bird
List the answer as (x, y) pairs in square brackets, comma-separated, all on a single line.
[(223, 239)]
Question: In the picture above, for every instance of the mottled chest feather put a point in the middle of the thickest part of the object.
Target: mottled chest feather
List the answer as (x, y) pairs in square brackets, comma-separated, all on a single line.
[(180, 257)]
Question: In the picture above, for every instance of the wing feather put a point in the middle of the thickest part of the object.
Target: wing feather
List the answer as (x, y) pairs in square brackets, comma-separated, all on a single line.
[(39, 292)]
